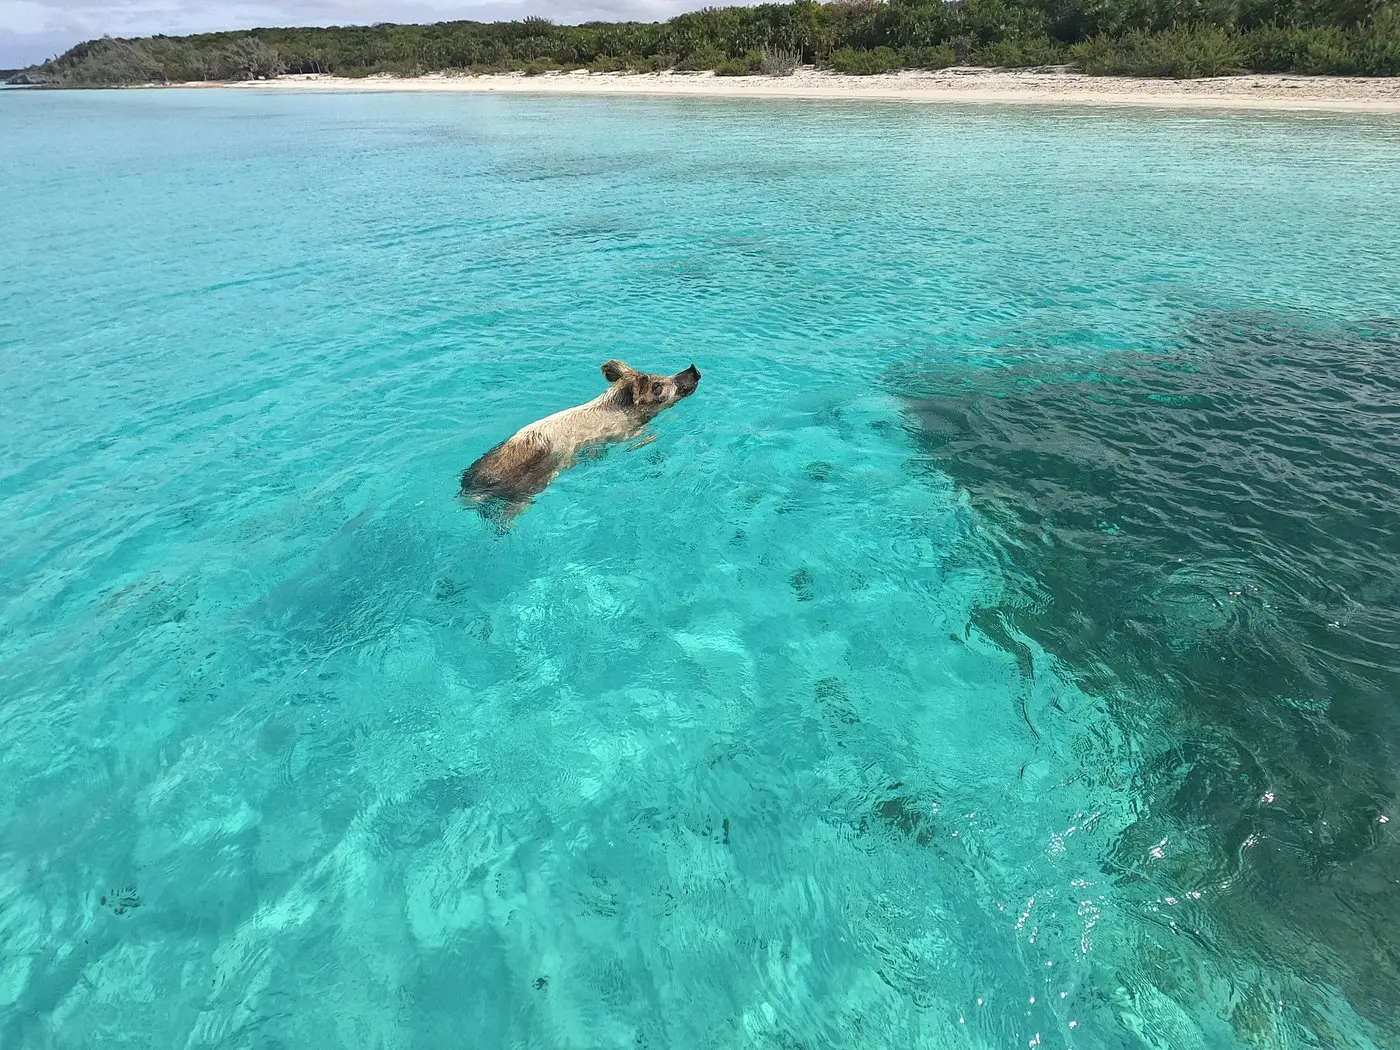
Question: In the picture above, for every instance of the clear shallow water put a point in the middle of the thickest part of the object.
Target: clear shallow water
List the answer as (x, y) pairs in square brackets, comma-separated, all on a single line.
[(997, 651)]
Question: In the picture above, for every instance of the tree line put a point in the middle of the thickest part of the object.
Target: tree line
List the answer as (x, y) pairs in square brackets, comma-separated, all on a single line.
[(1160, 38)]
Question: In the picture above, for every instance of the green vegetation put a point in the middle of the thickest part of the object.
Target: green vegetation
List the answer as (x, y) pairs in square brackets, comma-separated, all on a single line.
[(1160, 38)]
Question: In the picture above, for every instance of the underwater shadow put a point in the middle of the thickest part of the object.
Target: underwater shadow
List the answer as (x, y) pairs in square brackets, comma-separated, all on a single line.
[(1207, 539)]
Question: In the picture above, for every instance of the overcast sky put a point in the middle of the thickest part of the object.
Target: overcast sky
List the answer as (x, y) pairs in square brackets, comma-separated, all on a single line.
[(33, 30)]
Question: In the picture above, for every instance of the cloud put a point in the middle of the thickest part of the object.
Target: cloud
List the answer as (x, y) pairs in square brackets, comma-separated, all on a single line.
[(33, 30)]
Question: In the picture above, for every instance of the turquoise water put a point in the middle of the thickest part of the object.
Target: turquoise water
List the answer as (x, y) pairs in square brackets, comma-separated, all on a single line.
[(999, 649)]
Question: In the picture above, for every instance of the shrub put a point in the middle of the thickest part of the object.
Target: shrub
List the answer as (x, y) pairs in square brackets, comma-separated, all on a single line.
[(940, 57), (1278, 50), (109, 61), (705, 58), (736, 67), (1178, 53), (774, 62), (1018, 54), (1376, 49), (250, 59), (864, 63), (630, 64), (653, 64)]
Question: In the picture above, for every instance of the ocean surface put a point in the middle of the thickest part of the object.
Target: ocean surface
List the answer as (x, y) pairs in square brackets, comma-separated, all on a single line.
[(1000, 649)]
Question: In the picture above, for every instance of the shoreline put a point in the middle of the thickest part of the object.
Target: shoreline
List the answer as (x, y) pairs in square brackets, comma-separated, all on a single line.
[(1260, 92)]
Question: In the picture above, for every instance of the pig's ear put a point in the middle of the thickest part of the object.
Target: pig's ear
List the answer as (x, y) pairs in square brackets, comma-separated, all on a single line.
[(615, 370)]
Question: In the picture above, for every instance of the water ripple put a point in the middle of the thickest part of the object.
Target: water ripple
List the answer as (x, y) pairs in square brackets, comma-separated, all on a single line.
[(997, 651)]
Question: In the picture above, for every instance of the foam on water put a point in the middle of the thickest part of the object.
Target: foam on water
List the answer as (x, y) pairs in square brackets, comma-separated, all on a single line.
[(756, 736)]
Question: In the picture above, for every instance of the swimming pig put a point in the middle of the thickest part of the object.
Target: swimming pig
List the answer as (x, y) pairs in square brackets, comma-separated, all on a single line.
[(503, 481)]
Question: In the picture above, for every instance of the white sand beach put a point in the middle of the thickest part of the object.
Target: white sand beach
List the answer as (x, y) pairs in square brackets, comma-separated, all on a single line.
[(959, 85)]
